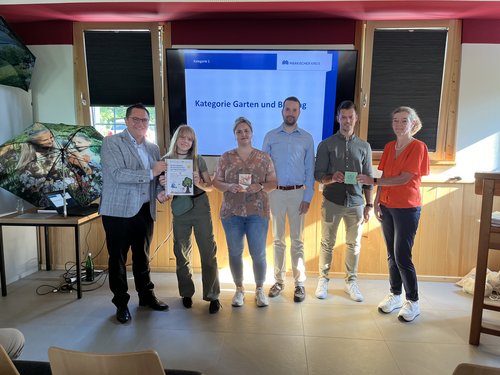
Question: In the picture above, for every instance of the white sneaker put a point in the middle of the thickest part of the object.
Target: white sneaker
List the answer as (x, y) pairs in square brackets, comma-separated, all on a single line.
[(409, 311), (322, 289), (260, 298), (352, 289), (390, 302), (239, 297)]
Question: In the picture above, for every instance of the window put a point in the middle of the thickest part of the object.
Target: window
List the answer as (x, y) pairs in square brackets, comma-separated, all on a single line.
[(111, 120), (118, 65), (412, 63)]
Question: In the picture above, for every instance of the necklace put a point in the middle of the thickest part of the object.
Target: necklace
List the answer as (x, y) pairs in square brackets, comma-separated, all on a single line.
[(182, 154), (402, 146)]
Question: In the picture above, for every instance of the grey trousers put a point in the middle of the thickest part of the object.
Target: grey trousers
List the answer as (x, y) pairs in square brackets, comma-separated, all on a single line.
[(199, 220), (12, 341), (331, 215), (286, 203)]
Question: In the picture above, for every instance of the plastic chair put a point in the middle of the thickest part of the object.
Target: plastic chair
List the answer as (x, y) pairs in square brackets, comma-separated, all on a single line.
[(6, 365), (472, 369), (64, 362)]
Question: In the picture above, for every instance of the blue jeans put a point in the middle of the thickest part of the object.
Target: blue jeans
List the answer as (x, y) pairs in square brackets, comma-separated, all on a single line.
[(400, 226), (255, 229)]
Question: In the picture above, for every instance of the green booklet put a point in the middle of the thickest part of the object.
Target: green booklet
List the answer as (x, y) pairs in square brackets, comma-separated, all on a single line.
[(350, 178)]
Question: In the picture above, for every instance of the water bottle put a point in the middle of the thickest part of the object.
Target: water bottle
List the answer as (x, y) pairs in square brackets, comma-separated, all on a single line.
[(89, 268), (20, 206)]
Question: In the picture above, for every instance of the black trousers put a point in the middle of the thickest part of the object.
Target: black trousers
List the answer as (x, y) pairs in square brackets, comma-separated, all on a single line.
[(399, 226), (121, 234)]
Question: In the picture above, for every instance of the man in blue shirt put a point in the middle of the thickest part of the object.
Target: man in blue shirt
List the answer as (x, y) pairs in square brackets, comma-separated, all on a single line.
[(292, 151)]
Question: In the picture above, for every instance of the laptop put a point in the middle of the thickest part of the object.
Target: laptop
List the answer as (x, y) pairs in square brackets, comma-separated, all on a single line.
[(73, 208)]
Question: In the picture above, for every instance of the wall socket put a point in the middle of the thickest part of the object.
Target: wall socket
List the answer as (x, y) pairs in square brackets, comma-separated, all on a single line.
[(72, 280)]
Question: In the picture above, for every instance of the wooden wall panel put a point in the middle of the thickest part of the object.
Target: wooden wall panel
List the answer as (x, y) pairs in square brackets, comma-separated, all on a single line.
[(445, 246)]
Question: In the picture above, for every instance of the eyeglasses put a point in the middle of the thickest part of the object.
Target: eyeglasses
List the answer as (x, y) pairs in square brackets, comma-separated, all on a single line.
[(138, 121)]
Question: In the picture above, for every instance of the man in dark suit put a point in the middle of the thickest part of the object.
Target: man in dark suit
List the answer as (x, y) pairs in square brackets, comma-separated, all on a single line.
[(130, 166)]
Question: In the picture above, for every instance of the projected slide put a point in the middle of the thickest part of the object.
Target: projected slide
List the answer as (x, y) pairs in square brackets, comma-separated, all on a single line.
[(220, 86)]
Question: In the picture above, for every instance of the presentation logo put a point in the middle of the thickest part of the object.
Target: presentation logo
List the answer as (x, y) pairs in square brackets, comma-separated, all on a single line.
[(317, 61), (300, 62)]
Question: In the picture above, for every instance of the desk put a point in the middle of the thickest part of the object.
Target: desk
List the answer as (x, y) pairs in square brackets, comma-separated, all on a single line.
[(33, 219)]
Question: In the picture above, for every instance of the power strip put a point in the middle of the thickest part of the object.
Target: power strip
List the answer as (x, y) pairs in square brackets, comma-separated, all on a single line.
[(72, 279)]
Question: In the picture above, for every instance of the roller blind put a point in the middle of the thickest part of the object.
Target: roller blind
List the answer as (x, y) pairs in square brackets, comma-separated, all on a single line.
[(119, 67), (407, 70)]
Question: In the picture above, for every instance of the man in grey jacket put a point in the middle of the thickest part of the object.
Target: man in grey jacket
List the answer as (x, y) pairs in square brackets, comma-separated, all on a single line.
[(339, 159), (130, 166)]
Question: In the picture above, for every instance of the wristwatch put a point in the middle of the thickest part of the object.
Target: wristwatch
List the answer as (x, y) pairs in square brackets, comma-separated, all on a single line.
[(369, 205)]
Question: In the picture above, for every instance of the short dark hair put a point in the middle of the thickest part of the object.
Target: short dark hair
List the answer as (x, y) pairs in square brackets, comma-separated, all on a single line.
[(292, 99), (136, 105), (346, 104)]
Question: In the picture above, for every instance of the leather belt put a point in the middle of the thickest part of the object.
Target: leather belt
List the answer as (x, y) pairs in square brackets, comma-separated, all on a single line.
[(291, 187)]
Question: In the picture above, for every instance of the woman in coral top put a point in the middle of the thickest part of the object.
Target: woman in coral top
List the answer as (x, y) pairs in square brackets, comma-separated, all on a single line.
[(397, 206)]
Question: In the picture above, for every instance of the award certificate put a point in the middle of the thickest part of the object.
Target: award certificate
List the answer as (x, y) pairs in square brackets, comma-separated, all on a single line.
[(179, 176)]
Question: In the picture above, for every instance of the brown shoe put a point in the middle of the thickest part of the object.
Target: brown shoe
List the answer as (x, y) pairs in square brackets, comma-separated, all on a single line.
[(275, 290)]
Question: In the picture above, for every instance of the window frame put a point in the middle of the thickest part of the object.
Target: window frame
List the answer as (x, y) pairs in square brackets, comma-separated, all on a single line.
[(160, 38), (446, 133)]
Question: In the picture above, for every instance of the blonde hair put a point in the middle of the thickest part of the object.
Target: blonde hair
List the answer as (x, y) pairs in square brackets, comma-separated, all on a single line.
[(412, 116), (192, 152)]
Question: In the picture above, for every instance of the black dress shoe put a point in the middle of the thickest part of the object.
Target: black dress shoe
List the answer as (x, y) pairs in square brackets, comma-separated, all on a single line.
[(122, 314), (154, 303), (187, 302), (214, 307)]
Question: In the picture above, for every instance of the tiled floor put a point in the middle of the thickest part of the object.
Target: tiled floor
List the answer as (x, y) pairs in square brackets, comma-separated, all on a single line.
[(332, 336)]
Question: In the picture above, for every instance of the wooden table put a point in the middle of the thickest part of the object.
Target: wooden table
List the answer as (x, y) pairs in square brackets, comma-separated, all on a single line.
[(33, 219)]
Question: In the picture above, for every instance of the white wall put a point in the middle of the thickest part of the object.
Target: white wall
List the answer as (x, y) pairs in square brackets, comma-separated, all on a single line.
[(478, 128), (478, 144), (20, 245), (53, 84)]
